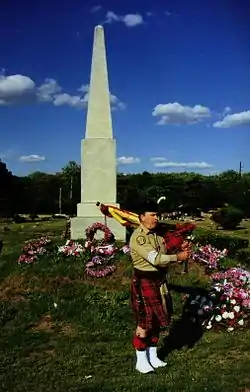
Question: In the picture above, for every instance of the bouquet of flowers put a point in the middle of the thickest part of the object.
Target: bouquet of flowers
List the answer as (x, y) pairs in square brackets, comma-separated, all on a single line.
[(96, 267), (209, 256), (98, 254), (107, 250), (71, 248), (32, 249), (227, 305), (125, 249), (235, 284)]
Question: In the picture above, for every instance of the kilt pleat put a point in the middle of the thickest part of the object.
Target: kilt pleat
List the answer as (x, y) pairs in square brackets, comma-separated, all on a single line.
[(146, 302)]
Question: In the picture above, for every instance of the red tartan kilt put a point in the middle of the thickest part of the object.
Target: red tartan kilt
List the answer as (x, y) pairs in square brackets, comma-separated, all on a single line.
[(147, 305)]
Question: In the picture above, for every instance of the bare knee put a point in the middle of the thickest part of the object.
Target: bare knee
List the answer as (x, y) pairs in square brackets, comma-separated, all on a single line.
[(140, 332)]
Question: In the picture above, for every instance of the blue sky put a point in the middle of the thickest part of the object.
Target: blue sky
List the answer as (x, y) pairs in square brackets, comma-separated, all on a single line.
[(179, 78)]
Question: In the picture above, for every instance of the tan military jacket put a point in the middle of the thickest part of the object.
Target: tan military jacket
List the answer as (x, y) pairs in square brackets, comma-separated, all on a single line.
[(148, 251)]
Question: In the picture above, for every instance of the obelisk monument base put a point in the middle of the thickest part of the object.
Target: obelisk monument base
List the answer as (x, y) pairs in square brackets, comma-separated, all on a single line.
[(98, 171), (91, 214)]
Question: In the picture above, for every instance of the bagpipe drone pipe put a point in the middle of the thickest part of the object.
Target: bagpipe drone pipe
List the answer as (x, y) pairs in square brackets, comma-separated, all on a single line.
[(173, 238)]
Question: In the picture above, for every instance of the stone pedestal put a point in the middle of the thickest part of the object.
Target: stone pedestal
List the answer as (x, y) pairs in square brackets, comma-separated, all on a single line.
[(87, 215), (80, 224)]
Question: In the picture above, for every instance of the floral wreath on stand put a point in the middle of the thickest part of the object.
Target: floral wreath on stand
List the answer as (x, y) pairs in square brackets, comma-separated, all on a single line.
[(93, 271), (96, 268), (91, 231)]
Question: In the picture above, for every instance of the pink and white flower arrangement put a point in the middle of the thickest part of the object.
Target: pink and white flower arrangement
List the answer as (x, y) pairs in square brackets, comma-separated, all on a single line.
[(32, 249), (93, 271), (107, 250), (209, 256), (125, 249), (71, 248), (231, 299), (91, 231), (99, 252)]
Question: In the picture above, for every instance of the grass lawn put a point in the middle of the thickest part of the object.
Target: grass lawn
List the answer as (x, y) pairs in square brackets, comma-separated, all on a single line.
[(62, 332)]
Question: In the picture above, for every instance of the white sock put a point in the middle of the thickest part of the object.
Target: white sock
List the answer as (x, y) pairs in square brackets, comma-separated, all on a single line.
[(142, 364), (153, 359)]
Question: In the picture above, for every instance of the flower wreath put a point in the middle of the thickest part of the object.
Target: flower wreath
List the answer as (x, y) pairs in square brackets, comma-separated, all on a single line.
[(91, 231), (98, 273)]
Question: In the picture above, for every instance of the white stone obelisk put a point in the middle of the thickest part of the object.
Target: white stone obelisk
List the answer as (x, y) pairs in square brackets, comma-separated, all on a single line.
[(98, 150)]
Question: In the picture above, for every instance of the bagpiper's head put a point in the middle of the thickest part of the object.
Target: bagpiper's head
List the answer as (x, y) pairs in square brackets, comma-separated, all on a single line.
[(148, 215)]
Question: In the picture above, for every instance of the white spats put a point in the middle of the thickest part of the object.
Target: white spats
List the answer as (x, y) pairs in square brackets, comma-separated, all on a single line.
[(153, 359), (142, 363)]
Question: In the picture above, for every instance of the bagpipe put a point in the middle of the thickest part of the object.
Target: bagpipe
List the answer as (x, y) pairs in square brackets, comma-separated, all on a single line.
[(173, 238)]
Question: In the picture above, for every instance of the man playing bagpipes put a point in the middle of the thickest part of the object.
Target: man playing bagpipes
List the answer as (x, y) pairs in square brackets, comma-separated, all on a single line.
[(153, 250), (149, 293)]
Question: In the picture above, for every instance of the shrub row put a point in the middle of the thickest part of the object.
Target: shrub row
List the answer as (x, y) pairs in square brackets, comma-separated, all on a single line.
[(243, 255), (221, 241)]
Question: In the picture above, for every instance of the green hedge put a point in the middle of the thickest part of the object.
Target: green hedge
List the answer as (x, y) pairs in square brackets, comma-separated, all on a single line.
[(220, 241), (243, 255)]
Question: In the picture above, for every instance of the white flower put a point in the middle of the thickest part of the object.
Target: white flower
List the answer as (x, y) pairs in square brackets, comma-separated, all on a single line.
[(230, 329), (241, 322), (209, 326), (231, 315), (225, 315), (237, 308), (233, 302), (218, 318)]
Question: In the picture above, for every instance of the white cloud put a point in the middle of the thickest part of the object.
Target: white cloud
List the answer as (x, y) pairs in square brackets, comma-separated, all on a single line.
[(130, 20), (84, 88), (32, 158), (158, 159), (127, 160), (73, 101), (19, 89), (96, 8), (175, 113), (226, 110), (16, 89), (234, 120), (184, 165), (114, 101), (47, 90), (112, 17)]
